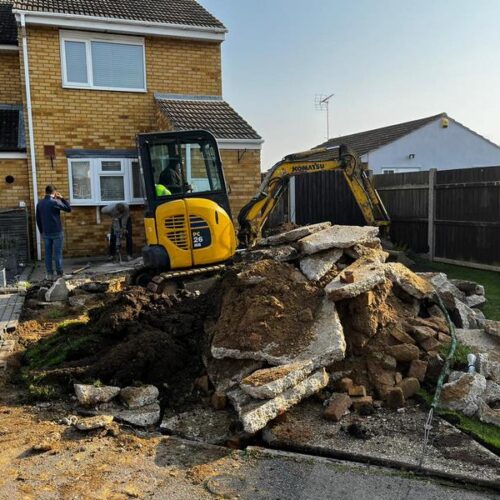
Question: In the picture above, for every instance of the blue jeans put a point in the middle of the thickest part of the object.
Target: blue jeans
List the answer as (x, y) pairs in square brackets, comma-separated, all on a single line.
[(53, 243)]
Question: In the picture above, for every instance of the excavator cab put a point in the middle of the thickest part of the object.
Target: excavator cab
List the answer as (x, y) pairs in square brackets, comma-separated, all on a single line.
[(188, 219)]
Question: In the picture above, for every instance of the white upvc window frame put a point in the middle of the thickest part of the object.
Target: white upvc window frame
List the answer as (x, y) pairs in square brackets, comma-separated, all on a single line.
[(88, 38), (96, 173)]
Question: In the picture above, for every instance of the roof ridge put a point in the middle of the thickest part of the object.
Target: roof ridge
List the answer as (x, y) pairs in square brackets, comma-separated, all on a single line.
[(426, 119)]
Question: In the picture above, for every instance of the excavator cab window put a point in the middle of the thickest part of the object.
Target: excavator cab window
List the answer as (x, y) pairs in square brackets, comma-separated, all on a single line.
[(185, 167)]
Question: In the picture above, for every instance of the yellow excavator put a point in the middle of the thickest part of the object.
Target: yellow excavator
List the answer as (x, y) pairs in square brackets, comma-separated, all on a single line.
[(188, 224)]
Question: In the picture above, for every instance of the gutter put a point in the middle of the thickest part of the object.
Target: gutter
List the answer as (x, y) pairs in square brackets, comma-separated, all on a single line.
[(31, 134)]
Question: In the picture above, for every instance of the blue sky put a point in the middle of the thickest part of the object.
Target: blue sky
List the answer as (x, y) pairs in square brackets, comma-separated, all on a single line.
[(387, 61)]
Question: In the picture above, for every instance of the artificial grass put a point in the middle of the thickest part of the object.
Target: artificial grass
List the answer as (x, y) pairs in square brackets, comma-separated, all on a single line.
[(487, 434), (489, 279)]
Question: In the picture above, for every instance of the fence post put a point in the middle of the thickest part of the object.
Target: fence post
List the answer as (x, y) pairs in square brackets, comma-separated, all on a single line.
[(431, 211), (292, 215)]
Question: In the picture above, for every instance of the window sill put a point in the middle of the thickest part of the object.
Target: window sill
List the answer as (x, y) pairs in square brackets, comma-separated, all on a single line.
[(105, 89), (76, 204)]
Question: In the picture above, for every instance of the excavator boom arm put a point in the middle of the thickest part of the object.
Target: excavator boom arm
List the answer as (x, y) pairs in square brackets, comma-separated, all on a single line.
[(255, 213)]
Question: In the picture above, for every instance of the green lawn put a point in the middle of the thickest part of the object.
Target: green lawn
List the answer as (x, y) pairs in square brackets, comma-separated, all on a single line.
[(489, 279)]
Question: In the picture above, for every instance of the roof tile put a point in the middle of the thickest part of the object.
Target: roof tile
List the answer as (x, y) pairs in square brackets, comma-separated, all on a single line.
[(214, 115), (185, 12)]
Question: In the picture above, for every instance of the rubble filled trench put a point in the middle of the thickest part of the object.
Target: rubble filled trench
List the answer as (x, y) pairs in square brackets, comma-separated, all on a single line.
[(316, 313)]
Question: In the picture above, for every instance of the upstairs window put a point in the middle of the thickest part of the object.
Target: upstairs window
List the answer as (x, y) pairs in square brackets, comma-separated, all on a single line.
[(11, 128), (104, 62)]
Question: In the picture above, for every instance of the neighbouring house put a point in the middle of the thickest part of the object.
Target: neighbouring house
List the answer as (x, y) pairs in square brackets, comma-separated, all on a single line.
[(437, 141), (79, 80)]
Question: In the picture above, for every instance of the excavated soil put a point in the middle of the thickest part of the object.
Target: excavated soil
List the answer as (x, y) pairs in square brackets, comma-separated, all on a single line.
[(269, 305), (137, 337)]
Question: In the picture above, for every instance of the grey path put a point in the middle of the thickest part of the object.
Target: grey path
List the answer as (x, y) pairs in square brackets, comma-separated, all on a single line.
[(289, 476), (11, 306)]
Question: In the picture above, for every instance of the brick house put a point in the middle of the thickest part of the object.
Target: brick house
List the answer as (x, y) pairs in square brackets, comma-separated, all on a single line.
[(99, 73)]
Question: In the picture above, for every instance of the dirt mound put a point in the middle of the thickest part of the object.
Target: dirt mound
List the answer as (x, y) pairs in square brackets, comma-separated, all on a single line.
[(267, 303), (137, 337)]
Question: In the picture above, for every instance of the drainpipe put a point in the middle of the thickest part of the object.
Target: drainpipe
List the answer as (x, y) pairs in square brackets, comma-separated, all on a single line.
[(30, 131)]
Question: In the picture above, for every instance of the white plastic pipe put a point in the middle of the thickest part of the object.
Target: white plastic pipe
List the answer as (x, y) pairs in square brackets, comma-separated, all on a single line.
[(30, 132)]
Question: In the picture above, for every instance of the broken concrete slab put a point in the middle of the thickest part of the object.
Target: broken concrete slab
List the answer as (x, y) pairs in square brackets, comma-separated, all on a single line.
[(468, 287), (317, 265), (91, 423), (492, 392), (270, 382), (364, 279), (137, 397), (475, 300), (411, 283), (492, 327), (464, 394), (323, 346), (255, 416), (446, 290), (91, 395), (489, 365), (279, 254), (488, 415), (478, 340), (228, 373), (337, 237), (449, 450), (368, 253), (294, 235), (202, 424), (57, 292), (462, 315), (141, 417)]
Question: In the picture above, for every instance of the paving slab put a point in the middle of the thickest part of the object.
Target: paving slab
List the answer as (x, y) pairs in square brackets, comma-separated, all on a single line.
[(317, 265), (257, 414), (270, 382), (396, 438), (294, 235), (337, 237), (11, 306), (203, 424), (365, 278)]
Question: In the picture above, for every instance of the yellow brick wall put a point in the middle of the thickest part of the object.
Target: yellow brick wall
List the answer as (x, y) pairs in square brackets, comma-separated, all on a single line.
[(10, 82), (94, 119), (12, 194), (242, 177)]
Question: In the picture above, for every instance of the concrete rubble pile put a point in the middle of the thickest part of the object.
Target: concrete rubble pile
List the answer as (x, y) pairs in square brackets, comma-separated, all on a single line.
[(319, 310), (138, 406)]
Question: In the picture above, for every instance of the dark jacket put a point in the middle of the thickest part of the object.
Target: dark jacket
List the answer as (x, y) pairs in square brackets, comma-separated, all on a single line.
[(48, 214)]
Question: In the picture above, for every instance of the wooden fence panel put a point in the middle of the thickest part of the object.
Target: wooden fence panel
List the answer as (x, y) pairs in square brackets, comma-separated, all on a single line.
[(325, 196), (406, 198)]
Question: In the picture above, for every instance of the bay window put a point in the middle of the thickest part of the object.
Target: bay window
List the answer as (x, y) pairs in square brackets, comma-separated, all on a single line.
[(103, 61), (100, 181)]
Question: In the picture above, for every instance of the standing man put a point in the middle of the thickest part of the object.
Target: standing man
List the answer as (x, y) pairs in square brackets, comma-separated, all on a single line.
[(121, 227), (48, 220)]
